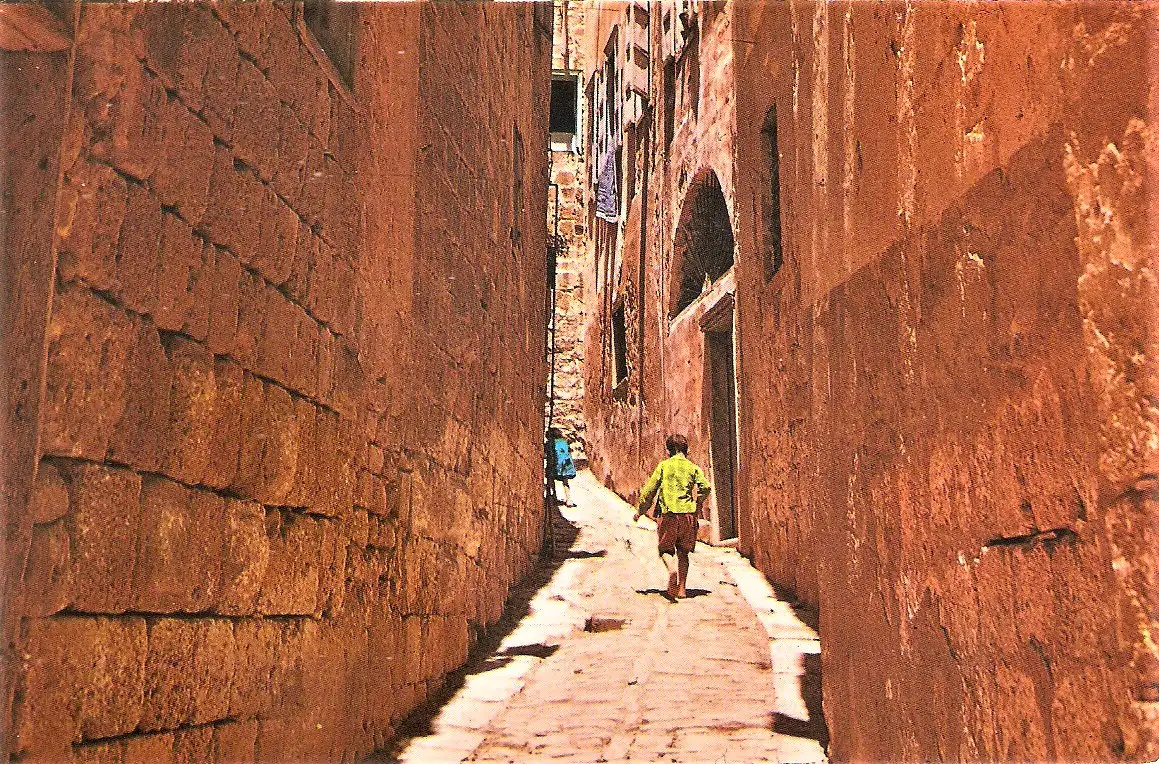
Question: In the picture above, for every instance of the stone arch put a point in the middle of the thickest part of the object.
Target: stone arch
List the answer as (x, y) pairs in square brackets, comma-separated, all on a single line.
[(704, 246)]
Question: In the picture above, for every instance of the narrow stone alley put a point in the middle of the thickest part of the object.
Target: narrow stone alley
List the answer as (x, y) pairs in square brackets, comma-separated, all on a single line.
[(603, 668), (306, 304)]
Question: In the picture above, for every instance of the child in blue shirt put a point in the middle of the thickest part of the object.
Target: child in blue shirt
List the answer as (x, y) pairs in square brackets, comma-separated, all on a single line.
[(562, 467)]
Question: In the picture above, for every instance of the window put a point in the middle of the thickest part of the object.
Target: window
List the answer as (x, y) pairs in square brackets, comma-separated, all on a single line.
[(334, 26), (691, 62), (564, 103), (774, 254), (669, 103), (619, 346), (517, 160)]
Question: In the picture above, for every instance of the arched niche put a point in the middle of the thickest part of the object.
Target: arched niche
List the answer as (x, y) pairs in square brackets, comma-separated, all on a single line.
[(704, 246)]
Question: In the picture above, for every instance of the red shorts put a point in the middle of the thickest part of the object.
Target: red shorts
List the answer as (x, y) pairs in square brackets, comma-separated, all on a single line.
[(677, 530)]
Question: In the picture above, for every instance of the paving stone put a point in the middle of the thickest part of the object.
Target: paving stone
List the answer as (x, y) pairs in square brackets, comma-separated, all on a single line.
[(647, 680)]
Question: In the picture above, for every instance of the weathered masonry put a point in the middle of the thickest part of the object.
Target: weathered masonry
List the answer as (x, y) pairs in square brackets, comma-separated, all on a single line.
[(273, 290), (892, 267), (567, 221)]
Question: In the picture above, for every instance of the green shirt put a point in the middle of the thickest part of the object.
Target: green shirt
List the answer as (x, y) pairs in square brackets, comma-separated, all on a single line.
[(677, 480)]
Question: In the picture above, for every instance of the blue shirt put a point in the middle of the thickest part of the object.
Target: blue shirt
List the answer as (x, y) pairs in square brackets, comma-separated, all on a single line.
[(564, 467)]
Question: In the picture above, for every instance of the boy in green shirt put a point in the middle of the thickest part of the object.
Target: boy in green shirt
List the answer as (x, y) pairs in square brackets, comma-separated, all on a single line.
[(682, 488)]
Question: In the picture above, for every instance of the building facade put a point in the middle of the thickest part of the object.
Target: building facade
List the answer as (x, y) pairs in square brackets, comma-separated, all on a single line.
[(889, 267), (567, 225), (272, 453), (661, 125)]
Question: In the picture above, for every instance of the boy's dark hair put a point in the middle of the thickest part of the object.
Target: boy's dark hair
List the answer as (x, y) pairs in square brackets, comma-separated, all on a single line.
[(677, 443)]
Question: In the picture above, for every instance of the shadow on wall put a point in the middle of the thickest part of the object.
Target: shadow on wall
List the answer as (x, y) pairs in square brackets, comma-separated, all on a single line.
[(813, 728), (486, 655)]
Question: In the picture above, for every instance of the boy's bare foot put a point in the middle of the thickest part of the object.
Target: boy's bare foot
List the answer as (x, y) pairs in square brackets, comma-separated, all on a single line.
[(681, 595)]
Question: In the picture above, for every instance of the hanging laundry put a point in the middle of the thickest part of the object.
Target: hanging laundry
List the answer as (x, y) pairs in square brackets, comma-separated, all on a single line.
[(607, 185)]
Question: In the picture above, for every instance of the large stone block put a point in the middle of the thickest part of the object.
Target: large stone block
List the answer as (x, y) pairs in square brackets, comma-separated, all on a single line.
[(176, 46), (48, 571), (224, 279), (148, 749), (256, 686), (297, 282), (304, 491), (140, 436), (280, 226), (345, 296), (278, 433), (138, 266), (332, 566), (193, 745), (235, 742), (201, 297), (277, 339), (214, 658), (183, 170), (293, 146), (168, 695), (50, 496), (192, 406), (182, 542), (233, 215), (246, 557), (253, 300), (255, 138), (84, 679), (226, 418), (95, 199), (246, 480), (112, 752), (123, 99), (188, 672), (105, 529), (221, 82), (88, 344), (321, 294), (313, 197), (328, 464), (291, 584), (180, 266), (326, 350)]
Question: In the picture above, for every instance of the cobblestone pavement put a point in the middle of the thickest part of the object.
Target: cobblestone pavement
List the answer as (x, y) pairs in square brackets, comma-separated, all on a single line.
[(603, 668)]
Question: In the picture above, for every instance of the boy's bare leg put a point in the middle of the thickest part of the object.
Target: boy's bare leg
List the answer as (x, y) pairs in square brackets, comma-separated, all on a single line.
[(670, 563), (682, 573), (566, 493)]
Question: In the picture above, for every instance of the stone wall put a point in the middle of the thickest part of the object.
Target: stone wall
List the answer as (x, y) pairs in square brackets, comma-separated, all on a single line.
[(288, 455), (665, 389), (569, 173), (947, 370), (947, 435)]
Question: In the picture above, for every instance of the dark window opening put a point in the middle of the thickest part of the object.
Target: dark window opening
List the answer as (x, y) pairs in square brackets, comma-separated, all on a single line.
[(610, 72), (704, 242), (589, 98), (669, 103), (517, 160), (692, 61), (619, 346), (774, 253), (564, 104), (335, 27)]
